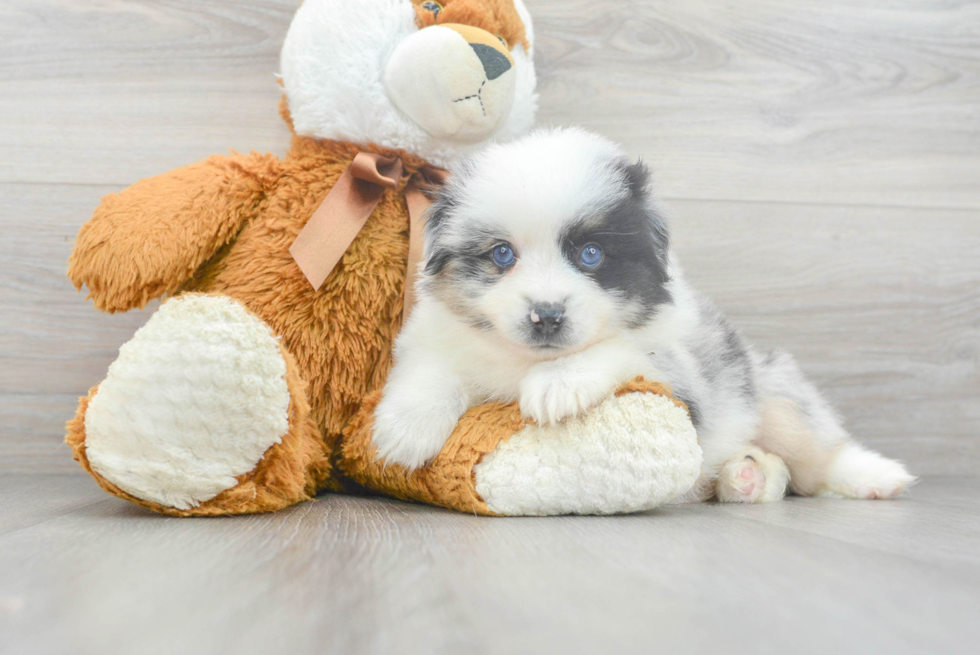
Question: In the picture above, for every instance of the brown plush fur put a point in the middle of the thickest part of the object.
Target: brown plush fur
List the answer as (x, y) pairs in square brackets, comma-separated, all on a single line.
[(224, 226), (499, 17), (448, 479)]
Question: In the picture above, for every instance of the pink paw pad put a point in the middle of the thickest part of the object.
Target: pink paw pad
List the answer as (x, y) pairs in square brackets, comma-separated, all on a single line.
[(748, 483), (749, 474), (873, 493)]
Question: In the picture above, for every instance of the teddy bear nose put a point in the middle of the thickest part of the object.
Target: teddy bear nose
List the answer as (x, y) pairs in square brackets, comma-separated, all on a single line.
[(494, 62)]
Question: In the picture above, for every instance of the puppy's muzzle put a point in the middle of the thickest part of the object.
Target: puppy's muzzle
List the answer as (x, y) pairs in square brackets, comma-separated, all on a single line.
[(547, 318)]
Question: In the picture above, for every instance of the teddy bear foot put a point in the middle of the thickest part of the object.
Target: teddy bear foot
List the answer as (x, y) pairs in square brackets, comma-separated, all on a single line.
[(627, 454), (195, 402)]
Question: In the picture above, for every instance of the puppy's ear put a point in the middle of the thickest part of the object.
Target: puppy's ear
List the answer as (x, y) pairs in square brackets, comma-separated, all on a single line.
[(445, 203), (638, 182), (439, 210), (637, 178), (435, 257)]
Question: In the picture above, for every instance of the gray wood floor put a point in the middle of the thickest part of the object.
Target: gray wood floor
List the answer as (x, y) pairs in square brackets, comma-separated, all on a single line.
[(81, 572), (822, 162)]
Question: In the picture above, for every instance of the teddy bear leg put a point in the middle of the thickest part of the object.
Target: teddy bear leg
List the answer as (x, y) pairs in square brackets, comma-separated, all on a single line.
[(203, 413), (632, 452)]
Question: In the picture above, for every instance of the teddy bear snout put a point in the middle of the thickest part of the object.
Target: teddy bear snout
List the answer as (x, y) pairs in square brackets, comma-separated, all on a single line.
[(454, 81)]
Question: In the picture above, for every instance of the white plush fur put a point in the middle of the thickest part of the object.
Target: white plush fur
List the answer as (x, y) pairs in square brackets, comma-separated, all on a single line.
[(332, 67), (629, 454), (472, 336), (207, 382), (436, 78)]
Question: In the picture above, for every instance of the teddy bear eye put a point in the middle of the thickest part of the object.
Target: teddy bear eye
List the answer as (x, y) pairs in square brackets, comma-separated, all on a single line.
[(434, 7), (502, 39)]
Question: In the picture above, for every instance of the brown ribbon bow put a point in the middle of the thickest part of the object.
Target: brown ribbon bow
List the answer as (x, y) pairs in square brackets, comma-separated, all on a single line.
[(335, 223)]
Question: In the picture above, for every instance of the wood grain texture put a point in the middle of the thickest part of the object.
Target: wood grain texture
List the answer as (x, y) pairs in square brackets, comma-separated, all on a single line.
[(84, 573), (838, 101), (820, 159), (109, 91)]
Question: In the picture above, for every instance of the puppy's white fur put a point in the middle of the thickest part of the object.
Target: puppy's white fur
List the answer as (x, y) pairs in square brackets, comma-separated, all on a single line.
[(473, 336)]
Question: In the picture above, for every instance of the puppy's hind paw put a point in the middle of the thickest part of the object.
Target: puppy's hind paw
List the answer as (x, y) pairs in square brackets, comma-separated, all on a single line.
[(752, 476), (864, 474)]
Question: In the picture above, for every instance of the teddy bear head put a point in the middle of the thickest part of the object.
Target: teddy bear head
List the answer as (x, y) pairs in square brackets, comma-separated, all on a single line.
[(434, 79)]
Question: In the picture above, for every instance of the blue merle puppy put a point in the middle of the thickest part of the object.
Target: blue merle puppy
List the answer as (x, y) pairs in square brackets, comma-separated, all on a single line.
[(549, 279)]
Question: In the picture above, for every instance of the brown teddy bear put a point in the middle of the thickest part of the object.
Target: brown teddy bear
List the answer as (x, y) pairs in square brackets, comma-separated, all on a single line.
[(250, 388)]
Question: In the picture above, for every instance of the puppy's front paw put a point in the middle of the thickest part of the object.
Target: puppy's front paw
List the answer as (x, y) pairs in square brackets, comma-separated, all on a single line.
[(551, 392), (410, 430)]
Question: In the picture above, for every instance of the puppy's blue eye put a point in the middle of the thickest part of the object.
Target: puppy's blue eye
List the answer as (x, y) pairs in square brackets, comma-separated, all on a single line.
[(503, 255), (591, 256)]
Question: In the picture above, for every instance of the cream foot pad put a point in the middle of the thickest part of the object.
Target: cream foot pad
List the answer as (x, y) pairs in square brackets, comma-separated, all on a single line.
[(194, 400), (630, 453)]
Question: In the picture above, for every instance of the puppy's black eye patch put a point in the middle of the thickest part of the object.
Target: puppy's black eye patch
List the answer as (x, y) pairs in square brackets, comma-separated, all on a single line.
[(633, 244)]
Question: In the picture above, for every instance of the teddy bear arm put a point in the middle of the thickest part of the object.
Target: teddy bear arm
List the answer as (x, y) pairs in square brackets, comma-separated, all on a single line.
[(635, 450), (149, 239)]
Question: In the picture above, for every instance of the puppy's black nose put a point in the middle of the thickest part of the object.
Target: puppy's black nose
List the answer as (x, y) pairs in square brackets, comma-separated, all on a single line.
[(546, 317)]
